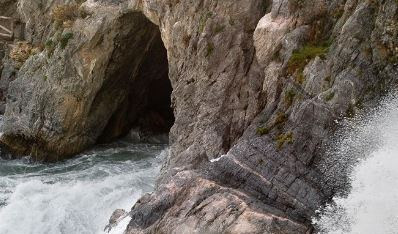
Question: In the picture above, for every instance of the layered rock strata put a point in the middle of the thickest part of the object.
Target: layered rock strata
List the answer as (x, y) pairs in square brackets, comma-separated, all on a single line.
[(256, 89)]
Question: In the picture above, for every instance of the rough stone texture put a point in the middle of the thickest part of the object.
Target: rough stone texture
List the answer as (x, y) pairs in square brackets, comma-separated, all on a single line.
[(2, 92), (213, 70), (257, 171), (235, 94), (65, 99), (8, 72), (208, 56), (117, 216), (8, 8)]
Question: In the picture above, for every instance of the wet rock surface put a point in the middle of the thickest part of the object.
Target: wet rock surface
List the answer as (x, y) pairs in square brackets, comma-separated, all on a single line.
[(115, 218), (256, 89), (273, 168), (83, 87)]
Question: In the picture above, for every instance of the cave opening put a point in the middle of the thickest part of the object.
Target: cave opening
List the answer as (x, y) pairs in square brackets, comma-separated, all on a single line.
[(139, 87)]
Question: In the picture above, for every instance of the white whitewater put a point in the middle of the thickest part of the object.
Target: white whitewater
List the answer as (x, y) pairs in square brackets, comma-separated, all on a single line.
[(79, 195), (371, 205)]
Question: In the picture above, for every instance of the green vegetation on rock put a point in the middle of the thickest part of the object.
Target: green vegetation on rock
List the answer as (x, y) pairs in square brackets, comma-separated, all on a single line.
[(65, 39), (289, 97), (203, 20), (209, 49), (262, 131), (284, 138), (301, 57), (329, 96), (279, 120), (50, 46)]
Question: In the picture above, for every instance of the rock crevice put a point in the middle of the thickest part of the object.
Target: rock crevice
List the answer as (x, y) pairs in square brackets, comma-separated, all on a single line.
[(255, 86)]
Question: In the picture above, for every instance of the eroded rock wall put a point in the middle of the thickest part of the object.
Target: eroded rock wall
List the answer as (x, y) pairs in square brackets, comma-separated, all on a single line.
[(213, 69), (197, 39), (8, 8), (322, 60), (257, 86), (65, 95)]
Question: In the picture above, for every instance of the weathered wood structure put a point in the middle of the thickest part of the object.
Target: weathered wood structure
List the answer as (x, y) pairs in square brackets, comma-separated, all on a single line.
[(11, 29)]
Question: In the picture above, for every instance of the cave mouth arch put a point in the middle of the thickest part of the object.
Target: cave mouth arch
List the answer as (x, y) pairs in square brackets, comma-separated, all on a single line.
[(138, 86)]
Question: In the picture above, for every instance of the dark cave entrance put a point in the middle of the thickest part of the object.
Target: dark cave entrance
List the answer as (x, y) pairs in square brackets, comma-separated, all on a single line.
[(139, 88)]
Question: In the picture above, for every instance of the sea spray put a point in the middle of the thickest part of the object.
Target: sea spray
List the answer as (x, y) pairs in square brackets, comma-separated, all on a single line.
[(78, 195), (368, 152)]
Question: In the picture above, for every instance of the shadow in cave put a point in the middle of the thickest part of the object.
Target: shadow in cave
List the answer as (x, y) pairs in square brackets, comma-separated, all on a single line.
[(138, 86)]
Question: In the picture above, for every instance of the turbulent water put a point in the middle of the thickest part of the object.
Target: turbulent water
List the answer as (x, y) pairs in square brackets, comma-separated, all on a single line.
[(79, 195), (368, 149)]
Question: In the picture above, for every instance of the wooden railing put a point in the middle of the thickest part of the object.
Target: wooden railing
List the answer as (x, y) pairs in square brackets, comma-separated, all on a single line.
[(7, 28)]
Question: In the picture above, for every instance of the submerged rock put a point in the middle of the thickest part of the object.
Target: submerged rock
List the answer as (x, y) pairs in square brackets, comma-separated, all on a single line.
[(138, 136), (117, 216)]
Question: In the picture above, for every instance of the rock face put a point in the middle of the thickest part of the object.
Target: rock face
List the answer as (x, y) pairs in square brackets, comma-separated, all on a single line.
[(117, 216), (318, 65), (8, 7), (83, 87), (256, 87), (8, 73), (7, 69)]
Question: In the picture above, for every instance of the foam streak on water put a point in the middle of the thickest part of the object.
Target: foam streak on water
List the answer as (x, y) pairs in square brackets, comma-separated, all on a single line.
[(79, 195), (371, 205)]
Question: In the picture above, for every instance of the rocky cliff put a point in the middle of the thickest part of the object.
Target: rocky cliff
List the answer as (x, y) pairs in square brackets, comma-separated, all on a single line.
[(8, 9), (254, 88)]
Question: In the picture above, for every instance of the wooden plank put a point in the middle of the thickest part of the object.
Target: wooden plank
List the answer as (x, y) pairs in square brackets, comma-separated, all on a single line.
[(6, 36), (6, 29), (5, 18), (7, 32), (9, 20)]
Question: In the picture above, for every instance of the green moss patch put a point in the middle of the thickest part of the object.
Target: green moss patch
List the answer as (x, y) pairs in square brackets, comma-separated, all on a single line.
[(301, 57), (203, 20), (209, 49), (262, 131), (279, 120), (65, 39), (283, 139), (289, 97)]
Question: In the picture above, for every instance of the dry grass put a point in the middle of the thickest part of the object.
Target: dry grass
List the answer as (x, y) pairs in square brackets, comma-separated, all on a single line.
[(280, 119), (65, 13), (282, 139), (22, 51), (68, 24)]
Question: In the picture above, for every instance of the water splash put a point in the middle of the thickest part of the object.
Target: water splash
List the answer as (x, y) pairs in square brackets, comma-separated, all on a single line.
[(368, 152), (79, 195)]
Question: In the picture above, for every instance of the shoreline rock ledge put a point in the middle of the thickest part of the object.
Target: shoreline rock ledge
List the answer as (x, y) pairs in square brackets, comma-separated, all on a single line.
[(249, 92)]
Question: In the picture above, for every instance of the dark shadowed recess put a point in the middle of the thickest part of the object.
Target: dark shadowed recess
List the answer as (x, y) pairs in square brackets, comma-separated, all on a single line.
[(138, 73)]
